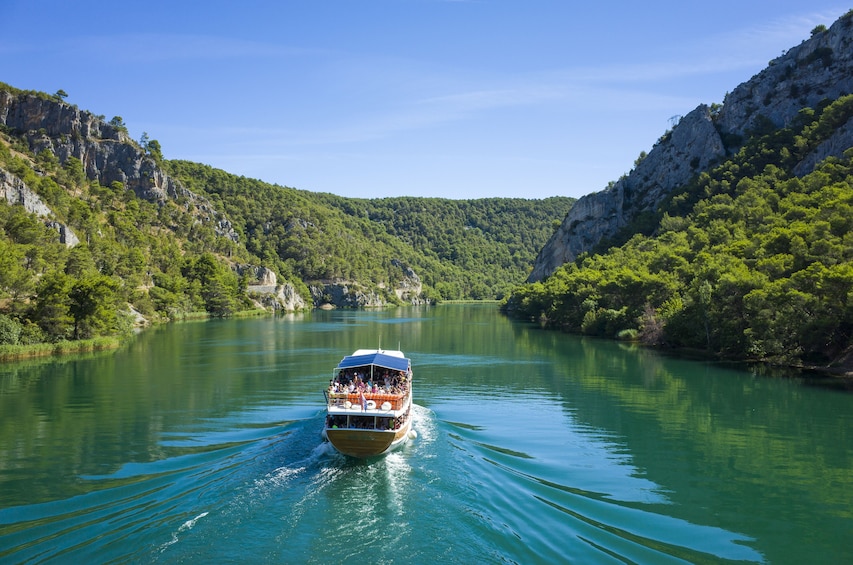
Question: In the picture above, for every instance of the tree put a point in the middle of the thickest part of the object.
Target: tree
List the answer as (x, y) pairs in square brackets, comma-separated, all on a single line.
[(151, 147), (93, 306), (79, 262), (217, 286), (155, 151), (10, 330), (118, 123), (14, 277), (74, 170), (51, 309)]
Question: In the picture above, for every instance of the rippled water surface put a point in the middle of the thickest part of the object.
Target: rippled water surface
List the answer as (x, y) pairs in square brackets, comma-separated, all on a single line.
[(200, 442)]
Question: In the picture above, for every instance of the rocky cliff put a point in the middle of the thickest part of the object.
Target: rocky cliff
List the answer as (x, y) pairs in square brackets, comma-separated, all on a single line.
[(105, 150), (819, 69), (15, 191), (109, 155), (268, 293)]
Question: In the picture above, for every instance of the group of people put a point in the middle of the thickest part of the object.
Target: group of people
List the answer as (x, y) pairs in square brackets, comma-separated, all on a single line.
[(359, 380), (367, 422)]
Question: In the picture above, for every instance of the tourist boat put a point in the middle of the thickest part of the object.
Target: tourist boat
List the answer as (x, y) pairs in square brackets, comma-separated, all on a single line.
[(369, 403)]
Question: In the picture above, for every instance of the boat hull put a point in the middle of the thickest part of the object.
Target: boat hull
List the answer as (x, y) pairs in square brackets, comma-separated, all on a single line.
[(367, 443)]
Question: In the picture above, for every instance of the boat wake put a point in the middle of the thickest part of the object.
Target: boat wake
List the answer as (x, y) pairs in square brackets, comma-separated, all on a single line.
[(209, 500), (634, 524), (186, 526)]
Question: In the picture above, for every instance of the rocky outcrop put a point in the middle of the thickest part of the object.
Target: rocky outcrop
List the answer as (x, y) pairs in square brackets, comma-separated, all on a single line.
[(817, 70), (105, 150), (279, 297), (265, 289), (259, 276), (409, 288), (15, 191), (349, 294), (820, 68), (345, 295)]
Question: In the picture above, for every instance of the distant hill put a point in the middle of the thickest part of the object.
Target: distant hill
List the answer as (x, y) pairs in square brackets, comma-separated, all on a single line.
[(456, 249), (99, 231), (734, 235)]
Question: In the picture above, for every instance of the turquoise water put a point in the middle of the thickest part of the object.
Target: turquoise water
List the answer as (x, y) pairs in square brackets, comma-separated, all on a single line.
[(201, 442)]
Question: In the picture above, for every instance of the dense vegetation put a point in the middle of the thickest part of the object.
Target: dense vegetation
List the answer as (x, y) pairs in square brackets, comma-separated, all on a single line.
[(749, 261), (161, 260), (461, 249), (132, 252), (490, 243)]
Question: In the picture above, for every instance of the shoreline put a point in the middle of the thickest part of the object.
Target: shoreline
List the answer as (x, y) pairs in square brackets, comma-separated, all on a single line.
[(12, 353)]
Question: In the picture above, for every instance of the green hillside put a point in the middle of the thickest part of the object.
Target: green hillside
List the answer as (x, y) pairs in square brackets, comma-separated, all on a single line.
[(166, 259), (748, 261), (461, 249)]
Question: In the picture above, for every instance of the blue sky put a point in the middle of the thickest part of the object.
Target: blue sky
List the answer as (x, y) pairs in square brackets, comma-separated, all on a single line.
[(376, 98)]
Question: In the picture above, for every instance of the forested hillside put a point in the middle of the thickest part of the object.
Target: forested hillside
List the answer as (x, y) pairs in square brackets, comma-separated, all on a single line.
[(98, 232), (460, 249), (488, 242), (125, 251), (748, 260)]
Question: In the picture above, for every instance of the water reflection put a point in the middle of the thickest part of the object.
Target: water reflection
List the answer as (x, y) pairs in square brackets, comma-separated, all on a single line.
[(202, 441)]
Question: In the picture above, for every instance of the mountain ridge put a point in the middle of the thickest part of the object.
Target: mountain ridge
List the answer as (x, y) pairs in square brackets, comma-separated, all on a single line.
[(819, 69)]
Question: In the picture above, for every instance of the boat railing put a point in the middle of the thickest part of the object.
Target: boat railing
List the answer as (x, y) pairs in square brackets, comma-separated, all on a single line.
[(396, 401)]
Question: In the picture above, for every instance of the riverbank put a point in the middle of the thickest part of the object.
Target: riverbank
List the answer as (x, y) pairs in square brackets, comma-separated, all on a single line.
[(10, 353), (31, 351), (838, 373)]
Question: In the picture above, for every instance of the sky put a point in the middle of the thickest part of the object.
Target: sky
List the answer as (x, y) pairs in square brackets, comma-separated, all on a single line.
[(378, 98)]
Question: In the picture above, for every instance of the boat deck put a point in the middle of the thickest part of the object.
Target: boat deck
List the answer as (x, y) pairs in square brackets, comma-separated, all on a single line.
[(375, 402)]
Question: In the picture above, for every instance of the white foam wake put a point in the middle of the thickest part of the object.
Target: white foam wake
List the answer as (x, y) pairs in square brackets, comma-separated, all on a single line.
[(186, 526)]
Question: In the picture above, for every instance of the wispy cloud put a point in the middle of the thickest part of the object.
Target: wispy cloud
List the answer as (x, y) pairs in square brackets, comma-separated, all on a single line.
[(405, 96), (748, 44), (158, 48)]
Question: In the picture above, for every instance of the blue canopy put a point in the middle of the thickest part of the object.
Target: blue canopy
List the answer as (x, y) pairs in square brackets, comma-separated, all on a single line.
[(378, 359)]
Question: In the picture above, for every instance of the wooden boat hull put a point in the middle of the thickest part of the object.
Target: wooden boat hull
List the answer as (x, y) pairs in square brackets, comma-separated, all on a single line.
[(367, 443)]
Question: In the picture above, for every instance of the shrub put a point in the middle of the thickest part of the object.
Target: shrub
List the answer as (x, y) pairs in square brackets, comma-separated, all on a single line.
[(10, 330)]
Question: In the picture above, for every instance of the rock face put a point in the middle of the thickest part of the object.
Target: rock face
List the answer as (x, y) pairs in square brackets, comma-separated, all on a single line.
[(349, 294), (106, 151), (264, 286), (818, 69), (345, 295), (108, 155), (15, 191), (409, 287), (693, 146), (280, 298)]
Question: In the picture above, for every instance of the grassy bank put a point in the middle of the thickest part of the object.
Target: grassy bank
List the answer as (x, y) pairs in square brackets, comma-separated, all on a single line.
[(19, 352)]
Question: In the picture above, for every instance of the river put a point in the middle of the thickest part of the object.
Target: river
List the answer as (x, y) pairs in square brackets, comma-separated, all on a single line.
[(200, 442)]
